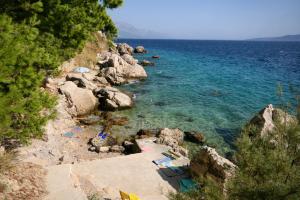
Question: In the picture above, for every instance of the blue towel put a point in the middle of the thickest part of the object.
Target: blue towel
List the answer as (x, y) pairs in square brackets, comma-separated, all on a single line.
[(187, 184), (160, 161)]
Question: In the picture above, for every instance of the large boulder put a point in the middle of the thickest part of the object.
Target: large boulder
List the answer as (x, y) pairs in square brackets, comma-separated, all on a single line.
[(265, 121), (124, 48), (117, 71), (83, 100), (172, 138), (129, 59), (82, 80), (208, 163), (113, 99), (140, 49)]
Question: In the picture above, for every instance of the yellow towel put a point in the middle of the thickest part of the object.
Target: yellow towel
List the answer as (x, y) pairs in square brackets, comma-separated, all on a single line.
[(125, 196), (133, 197)]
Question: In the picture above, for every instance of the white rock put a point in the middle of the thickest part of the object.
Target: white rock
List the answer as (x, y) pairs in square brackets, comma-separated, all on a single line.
[(83, 100)]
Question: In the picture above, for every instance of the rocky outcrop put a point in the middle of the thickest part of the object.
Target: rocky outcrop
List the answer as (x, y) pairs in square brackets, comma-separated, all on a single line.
[(113, 99), (83, 100), (140, 49), (117, 71), (146, 63), (208, 163), (124, 48), (81, 81), (172, 138), (129, 59), (194, 137), (265, 121)]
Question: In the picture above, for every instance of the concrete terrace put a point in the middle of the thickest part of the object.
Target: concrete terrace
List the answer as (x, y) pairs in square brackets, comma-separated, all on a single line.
[(134, 173)]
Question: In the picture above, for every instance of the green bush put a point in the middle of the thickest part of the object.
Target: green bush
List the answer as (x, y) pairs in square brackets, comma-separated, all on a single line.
[(269, 167), (35, 37)]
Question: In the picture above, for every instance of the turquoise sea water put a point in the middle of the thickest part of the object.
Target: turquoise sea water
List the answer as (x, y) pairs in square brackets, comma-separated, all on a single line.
[(210, 86)]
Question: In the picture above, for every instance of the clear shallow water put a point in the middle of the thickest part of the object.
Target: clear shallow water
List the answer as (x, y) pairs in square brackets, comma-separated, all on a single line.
[(210, 86)]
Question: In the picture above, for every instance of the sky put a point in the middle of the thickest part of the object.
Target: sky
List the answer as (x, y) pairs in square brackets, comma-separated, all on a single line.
[(212, 19)]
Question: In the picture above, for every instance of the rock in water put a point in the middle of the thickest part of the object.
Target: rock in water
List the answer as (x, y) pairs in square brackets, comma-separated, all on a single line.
[(207, 162), (113, 99), (83, 100), (146, 63), (156, 57), (124, 48), (117, 71), (140, 49)]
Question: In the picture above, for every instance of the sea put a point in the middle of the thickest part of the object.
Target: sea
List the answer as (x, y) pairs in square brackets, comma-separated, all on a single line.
[(212, 87)]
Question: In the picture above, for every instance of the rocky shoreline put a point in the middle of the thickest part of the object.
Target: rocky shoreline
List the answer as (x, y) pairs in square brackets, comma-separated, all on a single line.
[(87, 101)]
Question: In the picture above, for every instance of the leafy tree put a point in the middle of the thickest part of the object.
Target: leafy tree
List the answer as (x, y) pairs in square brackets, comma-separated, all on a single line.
[(35, 37)]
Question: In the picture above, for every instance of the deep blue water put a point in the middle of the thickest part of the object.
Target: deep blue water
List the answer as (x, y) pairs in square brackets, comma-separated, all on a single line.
[(210, 86)]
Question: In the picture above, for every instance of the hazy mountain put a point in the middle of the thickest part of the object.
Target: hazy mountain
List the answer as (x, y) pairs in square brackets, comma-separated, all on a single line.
[(282, 38), (129, 31)]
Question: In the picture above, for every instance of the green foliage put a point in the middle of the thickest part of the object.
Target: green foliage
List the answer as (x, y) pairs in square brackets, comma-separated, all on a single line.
[(269, 167), (35, 37)]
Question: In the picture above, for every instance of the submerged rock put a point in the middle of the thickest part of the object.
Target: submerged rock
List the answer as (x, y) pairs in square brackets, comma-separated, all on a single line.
[(90, 120), (140, 49), (194, 137), (83, 100), (146, 63)]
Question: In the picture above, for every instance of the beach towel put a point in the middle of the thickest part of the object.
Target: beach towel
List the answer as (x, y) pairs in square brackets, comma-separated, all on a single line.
[(162, 160), (187, 184), (68, 134), (131, 196), (81, 70)]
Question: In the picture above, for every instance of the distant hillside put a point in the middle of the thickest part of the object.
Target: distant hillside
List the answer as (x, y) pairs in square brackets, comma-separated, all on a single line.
[(290, 38), (129, 31)]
